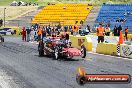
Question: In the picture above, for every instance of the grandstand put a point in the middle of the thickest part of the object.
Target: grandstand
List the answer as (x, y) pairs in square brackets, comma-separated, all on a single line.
[(114, 12), (65, 14)]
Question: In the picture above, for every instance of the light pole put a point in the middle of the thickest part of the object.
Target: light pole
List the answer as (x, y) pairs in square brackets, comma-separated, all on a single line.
[(4, 16)]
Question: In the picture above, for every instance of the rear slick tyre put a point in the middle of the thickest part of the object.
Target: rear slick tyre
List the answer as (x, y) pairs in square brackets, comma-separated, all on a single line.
[(56, 54), (40, 48)]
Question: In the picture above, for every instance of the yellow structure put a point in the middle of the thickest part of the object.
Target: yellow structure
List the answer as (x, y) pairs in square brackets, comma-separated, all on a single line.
[(66, 14), (107, 48), (78, 41), (129, 36)]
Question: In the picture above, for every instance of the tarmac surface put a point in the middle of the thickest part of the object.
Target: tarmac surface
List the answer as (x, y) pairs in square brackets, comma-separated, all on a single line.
[(20, 67)]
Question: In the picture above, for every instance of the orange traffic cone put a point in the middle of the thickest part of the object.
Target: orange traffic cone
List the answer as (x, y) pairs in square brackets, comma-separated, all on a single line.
[(121, 38)]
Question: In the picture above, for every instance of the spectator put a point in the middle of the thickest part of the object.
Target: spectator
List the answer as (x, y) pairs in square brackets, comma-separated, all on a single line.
[(24, 34), (39, 32), (43, 33), (32, 35), (107, 31), (70, 28), (81, 22), (75, 29), (28, 33), (65, 28), (48, 30), (53, 32), (100, 33), (59, 28), (119, 29), (88, 28), (126, 32), (115, 31)]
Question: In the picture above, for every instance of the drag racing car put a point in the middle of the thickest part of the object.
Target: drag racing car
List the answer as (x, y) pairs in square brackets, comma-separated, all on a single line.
[(1, 39), (58, 48)]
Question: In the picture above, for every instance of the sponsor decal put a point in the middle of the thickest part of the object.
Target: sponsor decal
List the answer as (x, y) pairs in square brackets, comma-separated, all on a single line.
[(126, 51), (82, 78), (80, 41), (108, 78)]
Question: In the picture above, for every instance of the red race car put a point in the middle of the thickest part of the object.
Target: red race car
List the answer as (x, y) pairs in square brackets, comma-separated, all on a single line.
[(58, 48)]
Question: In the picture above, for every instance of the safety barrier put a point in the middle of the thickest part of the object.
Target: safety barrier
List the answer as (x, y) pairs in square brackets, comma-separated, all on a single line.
[(107, 48), (126, 50), (129, 37), (78, 41)]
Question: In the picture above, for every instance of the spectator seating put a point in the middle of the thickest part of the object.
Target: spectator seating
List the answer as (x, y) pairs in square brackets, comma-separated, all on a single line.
[(66, 14), (114, 12)]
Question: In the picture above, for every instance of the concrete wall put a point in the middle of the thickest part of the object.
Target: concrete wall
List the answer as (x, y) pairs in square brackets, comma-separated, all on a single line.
[(126, 50), (107, 48), (78, 41)]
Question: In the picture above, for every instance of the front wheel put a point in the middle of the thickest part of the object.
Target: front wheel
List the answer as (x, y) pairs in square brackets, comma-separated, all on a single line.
[(83, 51), (56, 53)]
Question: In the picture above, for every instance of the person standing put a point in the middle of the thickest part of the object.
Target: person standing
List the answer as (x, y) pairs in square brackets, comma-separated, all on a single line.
[(24, 34), (115, 31), (119, 29), (39, 32), (81, 22), (32, 35), (75, 28), (100, 33), (28, 33), (126, 32), (43, 33), (53, 32), (48, 30), (59, 28), (107, 31), (88, 28)]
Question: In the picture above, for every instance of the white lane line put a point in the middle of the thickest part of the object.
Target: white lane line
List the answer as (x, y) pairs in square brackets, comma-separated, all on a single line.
[(110, 56)]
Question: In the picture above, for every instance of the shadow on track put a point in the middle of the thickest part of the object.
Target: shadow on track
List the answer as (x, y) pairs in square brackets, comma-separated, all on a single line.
[(60, 59)]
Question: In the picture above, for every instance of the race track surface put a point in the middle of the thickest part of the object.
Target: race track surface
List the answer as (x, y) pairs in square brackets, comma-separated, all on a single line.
[(20, 67)]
